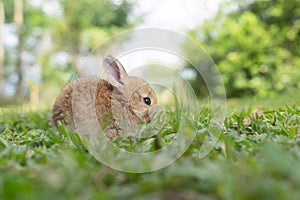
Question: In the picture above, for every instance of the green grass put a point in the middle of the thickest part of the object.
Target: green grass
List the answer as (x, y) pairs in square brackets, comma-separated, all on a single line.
[(260, 160)]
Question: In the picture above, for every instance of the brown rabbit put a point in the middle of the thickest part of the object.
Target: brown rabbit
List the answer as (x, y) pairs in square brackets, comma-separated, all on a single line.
[(116, 105)]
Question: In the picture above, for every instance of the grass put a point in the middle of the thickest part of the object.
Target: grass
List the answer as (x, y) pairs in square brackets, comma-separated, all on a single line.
[(259, 159), (290, 98)]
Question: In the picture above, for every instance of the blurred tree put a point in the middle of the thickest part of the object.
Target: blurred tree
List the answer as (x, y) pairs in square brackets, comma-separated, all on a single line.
[(94, 19), (18, 19), (255, 46), (2, 20), (30, 23)]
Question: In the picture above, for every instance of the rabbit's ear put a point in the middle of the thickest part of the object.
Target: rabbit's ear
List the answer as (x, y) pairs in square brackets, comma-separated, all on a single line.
[(115, 71)]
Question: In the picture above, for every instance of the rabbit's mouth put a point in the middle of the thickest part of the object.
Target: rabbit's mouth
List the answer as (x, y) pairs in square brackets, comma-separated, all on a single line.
[(141, 117)]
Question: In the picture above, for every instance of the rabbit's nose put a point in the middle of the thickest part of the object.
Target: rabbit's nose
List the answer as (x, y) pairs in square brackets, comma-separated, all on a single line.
[(148, 119)]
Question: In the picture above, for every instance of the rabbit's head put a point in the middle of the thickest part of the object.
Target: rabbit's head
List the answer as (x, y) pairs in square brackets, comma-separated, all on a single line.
[(133, 98)]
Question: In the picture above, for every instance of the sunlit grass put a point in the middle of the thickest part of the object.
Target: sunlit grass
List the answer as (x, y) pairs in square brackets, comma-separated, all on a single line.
[(280, 100)]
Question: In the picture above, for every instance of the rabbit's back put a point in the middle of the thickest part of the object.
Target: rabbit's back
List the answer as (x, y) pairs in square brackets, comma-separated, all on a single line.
[(83, 93)]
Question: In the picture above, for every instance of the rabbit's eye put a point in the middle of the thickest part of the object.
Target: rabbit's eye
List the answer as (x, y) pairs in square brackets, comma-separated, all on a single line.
[(147, 101)]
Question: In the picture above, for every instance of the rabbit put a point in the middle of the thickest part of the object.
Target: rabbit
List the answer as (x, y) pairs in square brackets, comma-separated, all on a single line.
[(117, 104)]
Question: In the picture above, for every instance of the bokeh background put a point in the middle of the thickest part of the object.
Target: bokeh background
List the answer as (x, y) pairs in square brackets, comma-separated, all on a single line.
[(255, 44)]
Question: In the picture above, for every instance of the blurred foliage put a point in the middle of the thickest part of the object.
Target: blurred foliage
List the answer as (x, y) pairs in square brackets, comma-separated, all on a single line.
[(255, 45), (91, 17), (56, 41), (257, 160)]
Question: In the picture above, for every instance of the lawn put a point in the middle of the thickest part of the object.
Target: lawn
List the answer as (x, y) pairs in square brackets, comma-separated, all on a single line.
[(256, 158)]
